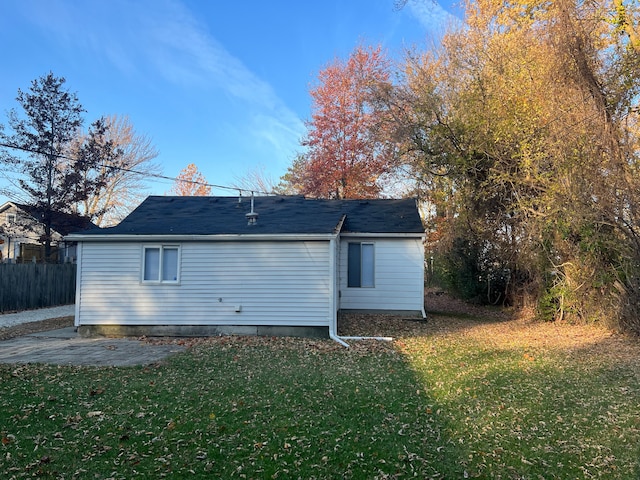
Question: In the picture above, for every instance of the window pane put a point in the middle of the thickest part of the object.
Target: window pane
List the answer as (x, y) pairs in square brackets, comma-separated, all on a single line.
[(151, 264), (368, 265), (353, 268), (170, 264)]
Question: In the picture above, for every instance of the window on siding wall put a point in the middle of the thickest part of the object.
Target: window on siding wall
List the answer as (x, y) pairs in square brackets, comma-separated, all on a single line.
[(361, 266), (160, 264)]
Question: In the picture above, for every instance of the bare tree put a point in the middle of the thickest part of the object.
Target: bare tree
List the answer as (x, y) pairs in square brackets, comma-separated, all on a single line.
[(256, 180), (125, 173)]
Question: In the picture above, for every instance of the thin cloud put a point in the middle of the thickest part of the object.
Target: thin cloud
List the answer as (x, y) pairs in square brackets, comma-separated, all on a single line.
[(162, 37), (185, 53), (279, 134), (431, 15)]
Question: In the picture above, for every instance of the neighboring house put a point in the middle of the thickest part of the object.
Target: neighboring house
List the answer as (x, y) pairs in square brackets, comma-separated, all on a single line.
[(271, 266), (21, 231)]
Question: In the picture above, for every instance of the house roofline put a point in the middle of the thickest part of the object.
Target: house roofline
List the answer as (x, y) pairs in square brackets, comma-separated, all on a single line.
[(199, 238), (383, 235), (6, 205), (78, 237)]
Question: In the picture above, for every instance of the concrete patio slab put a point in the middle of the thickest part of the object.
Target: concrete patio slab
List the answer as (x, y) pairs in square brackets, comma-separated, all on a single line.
[(65, 347)]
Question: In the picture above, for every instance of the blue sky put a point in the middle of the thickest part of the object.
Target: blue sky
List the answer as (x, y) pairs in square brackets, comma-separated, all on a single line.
[(221, 84)]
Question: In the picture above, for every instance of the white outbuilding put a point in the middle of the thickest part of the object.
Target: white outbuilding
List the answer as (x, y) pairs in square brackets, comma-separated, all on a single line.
[(273, 265)]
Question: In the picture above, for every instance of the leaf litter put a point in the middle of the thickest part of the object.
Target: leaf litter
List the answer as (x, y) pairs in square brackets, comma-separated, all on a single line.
[(469, 392)]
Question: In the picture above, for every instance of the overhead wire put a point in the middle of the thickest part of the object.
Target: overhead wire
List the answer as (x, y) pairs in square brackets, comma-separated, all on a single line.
[(145, 174)]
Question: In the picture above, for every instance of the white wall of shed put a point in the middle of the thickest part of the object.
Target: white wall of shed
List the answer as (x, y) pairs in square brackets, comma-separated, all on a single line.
[(274, 283), (399, 276)]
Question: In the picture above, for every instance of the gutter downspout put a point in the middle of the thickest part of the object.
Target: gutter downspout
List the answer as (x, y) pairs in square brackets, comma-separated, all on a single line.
[(338, 339), (76, 318), (334, 245), (382, 339)]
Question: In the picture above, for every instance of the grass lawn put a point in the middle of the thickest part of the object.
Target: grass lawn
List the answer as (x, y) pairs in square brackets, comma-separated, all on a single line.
[(454, 397)]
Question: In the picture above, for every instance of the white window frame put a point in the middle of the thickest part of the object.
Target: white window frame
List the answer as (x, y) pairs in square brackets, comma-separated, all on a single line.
[(161, 267), (361, 262), (11, 218)]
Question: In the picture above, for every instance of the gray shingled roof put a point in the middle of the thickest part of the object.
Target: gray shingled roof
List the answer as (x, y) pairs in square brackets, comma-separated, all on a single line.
[(277, 215)]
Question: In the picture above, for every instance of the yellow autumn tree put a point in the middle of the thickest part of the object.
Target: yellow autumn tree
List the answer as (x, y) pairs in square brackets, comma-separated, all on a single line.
[(523, 128), (190, 183)]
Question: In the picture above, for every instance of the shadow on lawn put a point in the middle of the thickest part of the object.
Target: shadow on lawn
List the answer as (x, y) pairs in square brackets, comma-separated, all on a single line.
[(445, 317), (516, 398), (512, 415), (444, 314)]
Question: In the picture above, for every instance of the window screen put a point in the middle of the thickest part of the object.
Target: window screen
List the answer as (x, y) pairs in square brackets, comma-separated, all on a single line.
[(170, 264), (151, 264), (367, 265)]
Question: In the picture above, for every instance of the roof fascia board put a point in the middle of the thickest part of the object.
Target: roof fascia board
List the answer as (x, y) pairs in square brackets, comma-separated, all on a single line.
[(7, 205), (199, 238), (338, 228), (383, 235)]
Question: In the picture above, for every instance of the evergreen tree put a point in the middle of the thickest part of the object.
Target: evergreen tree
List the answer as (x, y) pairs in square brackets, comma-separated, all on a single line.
[(49, 178)]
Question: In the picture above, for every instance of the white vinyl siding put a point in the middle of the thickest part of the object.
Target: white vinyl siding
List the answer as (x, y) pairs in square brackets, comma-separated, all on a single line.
[(399, 276), (273, 283)]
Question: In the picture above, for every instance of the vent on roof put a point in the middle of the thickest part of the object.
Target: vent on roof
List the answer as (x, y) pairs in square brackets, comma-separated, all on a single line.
[(252, 216)]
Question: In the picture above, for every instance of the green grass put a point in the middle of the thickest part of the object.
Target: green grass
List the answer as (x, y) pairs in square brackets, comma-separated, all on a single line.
[(439, 405), (529, 414)]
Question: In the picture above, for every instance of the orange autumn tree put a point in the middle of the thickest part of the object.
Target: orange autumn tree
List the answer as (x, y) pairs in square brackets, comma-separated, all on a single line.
[(190, 183), (346, 156)]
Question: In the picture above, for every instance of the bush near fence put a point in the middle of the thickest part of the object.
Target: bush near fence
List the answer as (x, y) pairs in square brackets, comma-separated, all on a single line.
[(36, 285)]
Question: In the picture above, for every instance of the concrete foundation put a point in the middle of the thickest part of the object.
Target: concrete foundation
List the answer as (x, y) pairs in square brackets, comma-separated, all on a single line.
[(88, 331), (404, 313)]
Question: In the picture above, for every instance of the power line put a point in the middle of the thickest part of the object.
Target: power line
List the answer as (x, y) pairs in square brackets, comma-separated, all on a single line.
[(143, 174)]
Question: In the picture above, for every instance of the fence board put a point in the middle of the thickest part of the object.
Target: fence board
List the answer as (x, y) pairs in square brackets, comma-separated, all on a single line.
[(36, 285)]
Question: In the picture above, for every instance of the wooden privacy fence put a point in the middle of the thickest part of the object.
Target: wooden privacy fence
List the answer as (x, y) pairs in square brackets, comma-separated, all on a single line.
[(36, 285)]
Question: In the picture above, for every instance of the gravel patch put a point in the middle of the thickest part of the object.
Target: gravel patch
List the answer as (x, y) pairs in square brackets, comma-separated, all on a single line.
[(22, 329), (36, 315)]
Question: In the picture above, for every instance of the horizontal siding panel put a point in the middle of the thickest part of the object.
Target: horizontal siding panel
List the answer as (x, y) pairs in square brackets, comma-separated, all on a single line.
[(275, 283), (399, 277)]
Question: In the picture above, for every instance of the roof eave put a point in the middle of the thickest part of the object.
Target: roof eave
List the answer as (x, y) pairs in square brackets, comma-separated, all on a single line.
[(198, 238), (79, 237), (384, 234)]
